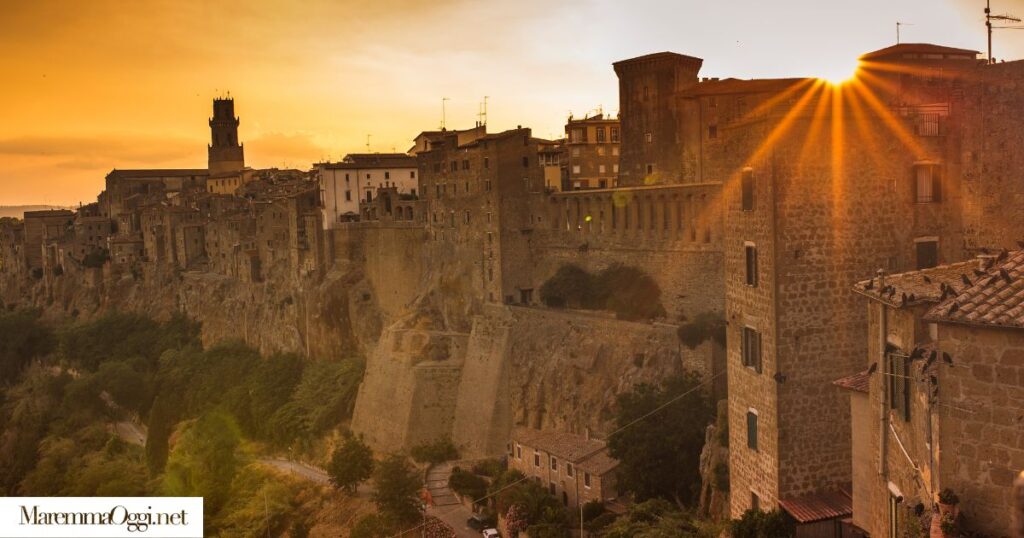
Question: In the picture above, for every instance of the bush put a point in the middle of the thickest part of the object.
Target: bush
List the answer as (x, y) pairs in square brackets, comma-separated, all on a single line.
[(592, 510), (627, 291), (758, 524), (570, 286), (706, 326), (467, 484), (439, 451), (948, 496), (490, 468)]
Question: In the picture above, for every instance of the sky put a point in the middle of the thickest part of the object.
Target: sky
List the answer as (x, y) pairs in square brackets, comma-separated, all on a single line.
[(92, 86)]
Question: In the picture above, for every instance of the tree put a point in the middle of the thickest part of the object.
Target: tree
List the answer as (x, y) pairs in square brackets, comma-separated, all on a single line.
[(758, 524), (351, 464), (660, 455), (570, 286), (204, 462), (629, 292), (705, 326), (22, 338), (439, 451), (398, 486)]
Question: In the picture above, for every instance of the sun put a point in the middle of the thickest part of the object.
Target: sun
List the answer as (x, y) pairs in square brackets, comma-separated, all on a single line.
[(840, 73)]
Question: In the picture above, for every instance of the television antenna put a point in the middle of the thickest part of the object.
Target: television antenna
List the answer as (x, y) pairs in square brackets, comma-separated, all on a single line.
[(444, 112), (989, 17), (898, 24), (482, 113)]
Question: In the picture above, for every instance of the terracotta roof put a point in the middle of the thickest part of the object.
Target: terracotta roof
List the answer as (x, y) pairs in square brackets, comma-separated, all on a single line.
[(994, 300), (819, 506), (736, 85), (374, 160), (920, 287), (858, 382), (916, 48), (591, 455)]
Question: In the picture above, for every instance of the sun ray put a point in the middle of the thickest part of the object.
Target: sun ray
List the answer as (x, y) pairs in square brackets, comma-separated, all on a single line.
[(888, 118)]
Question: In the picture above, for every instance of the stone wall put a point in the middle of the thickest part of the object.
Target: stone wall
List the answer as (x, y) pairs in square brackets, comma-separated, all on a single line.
[(982, 449)]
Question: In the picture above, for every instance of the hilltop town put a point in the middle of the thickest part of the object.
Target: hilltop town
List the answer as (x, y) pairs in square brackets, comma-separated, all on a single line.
[(841, 264)]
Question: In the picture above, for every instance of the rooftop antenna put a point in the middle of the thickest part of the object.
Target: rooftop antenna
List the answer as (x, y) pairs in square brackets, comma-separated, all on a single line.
[(368, 143), (898, 24), (989, 17), (444, 112)]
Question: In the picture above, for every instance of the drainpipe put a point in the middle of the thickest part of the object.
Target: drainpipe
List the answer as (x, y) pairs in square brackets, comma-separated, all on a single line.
[(884, 421)]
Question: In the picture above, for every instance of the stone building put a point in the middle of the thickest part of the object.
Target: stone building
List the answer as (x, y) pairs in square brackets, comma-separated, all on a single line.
[(551, 157), (941, 377), (478, 207), (225, 153), (591, 152), (124, 185), (345, 184), (12, 248), (39, 226), (574, 469), (651, 116)]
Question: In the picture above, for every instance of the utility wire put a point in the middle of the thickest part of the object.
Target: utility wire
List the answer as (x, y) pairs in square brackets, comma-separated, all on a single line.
[(587, 455)]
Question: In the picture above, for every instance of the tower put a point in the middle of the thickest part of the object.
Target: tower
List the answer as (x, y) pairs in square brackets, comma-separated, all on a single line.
[(225, 153)]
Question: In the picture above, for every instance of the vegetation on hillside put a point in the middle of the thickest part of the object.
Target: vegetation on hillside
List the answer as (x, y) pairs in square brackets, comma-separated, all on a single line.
[(627, 291), (660, 455), (64, 390)]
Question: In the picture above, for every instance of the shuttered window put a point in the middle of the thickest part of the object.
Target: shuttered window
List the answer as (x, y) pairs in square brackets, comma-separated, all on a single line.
[(751, 430)]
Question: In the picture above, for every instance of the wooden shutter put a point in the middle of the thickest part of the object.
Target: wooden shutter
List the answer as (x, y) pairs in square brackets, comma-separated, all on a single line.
[(936, 183)]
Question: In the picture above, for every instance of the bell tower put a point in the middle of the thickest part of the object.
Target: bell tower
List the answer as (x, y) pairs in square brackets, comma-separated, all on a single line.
[(225, 153)]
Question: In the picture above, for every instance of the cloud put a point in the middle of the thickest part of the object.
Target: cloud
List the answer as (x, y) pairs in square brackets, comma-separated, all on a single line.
[(274, 149), (77, 151)]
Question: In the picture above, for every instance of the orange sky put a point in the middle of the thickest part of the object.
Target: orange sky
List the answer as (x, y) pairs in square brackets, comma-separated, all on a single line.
[(89, 86)]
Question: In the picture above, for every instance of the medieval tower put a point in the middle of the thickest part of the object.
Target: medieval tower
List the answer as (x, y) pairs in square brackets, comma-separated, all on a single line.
[(225, 153)]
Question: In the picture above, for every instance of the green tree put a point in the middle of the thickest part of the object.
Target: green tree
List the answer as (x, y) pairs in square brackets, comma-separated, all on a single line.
[(439, 451), (758, 524), (398, 486), (351, 464), (374, 526), (660, 454), (571, 286), (204, 461), (22, 338)]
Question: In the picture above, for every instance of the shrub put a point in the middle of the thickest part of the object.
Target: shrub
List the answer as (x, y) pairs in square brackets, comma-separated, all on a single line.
[(570, 286), (439, 451), (467, 484), (706, 326), (22, 338), (948, 496), (96, 258), (490, 468), (758, 524), (592, 510)]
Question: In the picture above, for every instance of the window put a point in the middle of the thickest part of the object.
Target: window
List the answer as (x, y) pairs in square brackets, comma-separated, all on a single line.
[(536, 458), (576, 135), (526, 162), (747, 189), (554, 464), (646, 93), (348, 196), (519, 452), (648, 138), (575, 152), (752, 429), (465, 164), (650, 168), (387, 175), (927, 183), (600, 134), (487, 162), (751, 263), (899, 383), (615, 135), (568, 469), (751, 349), (927, 252), (586, 480), (615, 150), (755, 501), (600, 150), (368, 176), (712, 131), (487, 185), (601, 169), (466, 219), (615, 168), (454, 166), (576, 169), (412, 174)]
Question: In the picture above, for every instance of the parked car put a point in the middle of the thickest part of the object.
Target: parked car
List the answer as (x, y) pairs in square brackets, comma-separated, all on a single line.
[(491, 533)]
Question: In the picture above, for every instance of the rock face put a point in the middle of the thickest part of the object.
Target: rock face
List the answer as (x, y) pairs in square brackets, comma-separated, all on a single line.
[(517, 367)]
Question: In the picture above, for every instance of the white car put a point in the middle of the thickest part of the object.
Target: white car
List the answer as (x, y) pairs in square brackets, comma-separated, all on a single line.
[(491, 533)]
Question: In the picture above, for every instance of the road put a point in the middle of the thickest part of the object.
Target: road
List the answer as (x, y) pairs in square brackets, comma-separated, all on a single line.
[(446, 507)]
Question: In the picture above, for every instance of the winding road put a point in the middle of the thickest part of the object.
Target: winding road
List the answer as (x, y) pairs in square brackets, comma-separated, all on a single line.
[(446, 506)]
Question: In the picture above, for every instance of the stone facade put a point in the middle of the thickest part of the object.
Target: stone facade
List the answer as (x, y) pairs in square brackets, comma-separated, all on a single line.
[(574, 469), (591, 153)]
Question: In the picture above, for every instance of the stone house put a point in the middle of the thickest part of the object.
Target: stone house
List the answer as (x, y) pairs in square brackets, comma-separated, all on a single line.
[(939, 404), (591, 153), (574, 469), (347, 184)]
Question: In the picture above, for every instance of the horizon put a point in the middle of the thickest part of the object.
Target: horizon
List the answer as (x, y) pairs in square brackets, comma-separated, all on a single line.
[(139, 96)]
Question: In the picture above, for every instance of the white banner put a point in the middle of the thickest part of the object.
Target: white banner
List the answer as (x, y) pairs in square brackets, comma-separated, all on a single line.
[(101, 517)]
